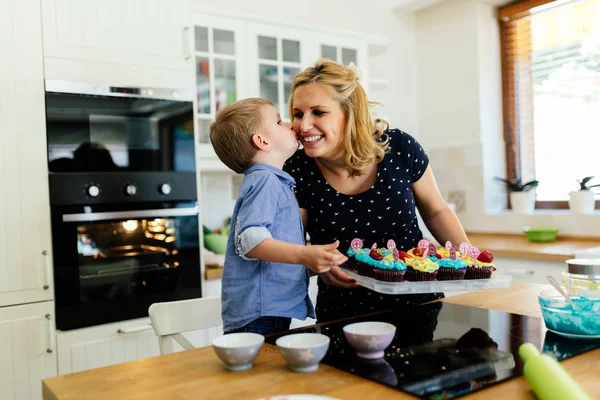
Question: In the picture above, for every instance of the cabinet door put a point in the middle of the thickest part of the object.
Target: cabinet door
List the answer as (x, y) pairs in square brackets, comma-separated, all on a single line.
[(25, 244), (219, 63), (344, 50), (275, 55), (148, 33), (103, 345), (27, 353)]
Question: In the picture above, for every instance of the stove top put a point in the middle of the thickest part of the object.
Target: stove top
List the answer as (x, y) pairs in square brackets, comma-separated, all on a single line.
[(444, 351)]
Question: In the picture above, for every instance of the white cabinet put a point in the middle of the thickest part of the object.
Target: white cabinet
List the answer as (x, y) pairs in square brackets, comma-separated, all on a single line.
[(532, 271), (27, 353), (220, 73), (25, 244), (275, 55), (121, 42), (103, 345)]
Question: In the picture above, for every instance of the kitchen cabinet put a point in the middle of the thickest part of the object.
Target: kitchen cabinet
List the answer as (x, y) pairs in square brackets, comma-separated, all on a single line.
[(107, 344), (531, 271), (25, 241), (27, 350), (137, 43), (238, 57), (115, 343)]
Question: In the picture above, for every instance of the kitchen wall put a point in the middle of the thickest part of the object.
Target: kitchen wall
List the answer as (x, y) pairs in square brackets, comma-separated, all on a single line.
[(460, 117)]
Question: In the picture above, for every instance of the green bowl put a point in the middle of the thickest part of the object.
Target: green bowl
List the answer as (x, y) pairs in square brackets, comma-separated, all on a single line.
[(540, 234), (215, 243)]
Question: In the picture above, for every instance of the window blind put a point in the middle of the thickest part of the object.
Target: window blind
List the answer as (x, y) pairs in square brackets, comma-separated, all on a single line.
[(551, 87)]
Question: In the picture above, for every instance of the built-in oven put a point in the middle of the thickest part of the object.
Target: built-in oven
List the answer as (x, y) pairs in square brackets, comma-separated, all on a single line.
[(123, 201)]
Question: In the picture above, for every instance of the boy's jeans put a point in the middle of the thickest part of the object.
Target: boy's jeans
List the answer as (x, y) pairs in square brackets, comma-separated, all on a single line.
[(265, 325)]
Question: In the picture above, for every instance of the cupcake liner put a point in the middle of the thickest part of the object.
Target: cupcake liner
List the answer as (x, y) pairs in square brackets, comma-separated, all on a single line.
[(388, 275), (479, 273), (417, 276), (364, 269), (451, 274)]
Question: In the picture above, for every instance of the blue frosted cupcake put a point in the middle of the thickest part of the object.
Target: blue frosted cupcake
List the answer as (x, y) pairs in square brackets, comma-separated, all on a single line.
[(380, 264)]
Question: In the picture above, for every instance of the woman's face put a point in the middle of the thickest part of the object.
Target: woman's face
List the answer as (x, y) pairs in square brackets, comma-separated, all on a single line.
[(319, 121)]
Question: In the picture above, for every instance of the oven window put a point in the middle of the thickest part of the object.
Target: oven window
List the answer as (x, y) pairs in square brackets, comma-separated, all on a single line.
[(132, 258), (106, 134)]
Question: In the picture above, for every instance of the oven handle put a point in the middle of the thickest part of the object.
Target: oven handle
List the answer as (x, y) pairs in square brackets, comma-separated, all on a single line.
[(105, 216)]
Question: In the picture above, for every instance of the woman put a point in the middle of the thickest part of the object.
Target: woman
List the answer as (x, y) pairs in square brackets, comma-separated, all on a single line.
[(357, 178)]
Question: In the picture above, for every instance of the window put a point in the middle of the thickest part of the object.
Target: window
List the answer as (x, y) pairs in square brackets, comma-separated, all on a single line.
[(551, 89)]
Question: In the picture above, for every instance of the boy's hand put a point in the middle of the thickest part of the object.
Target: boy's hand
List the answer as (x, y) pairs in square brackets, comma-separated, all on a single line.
[(320, 258)]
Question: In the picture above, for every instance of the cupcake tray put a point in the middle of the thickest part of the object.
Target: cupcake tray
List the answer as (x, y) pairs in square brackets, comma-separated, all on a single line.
[(495, 282)]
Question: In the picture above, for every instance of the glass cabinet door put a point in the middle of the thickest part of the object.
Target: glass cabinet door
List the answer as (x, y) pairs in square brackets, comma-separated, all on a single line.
[(218, 69), (280, 56)]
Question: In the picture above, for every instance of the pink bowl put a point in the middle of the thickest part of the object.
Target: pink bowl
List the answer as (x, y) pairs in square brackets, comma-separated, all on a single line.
[(369, 339)]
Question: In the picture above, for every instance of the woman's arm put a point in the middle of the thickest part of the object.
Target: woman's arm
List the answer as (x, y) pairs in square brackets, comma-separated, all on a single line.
[(439, 218)]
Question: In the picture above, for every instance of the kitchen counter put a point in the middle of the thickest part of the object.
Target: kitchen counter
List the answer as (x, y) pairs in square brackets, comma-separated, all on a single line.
[(199, 373), (517, 246)]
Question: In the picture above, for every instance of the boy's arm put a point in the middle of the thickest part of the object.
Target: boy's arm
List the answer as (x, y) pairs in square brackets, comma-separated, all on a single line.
[(317, 258)]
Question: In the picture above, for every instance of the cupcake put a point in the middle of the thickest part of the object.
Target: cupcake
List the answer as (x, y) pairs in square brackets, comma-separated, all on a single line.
[(420, 268), (480, 267), (381, 265), (352, 264), (451, 270)]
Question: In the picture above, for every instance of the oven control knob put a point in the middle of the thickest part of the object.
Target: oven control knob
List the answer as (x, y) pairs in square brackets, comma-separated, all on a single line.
[(165, 188), (93, 191), (130, 190)]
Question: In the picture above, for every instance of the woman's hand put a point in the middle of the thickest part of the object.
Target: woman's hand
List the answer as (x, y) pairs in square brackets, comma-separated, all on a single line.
[(335, 276)]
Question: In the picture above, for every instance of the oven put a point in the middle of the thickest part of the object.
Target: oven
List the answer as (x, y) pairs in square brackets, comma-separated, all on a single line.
[(123, 201)]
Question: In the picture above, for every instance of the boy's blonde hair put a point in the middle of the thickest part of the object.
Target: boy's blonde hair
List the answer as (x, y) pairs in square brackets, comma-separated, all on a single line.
[(231, 133), (362, 142)]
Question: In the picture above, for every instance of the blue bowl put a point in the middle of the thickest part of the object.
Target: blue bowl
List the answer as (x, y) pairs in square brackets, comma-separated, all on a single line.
[(560, 317)]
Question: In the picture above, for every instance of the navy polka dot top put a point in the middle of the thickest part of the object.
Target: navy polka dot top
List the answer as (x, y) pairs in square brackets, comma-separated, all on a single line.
[(385, 211)]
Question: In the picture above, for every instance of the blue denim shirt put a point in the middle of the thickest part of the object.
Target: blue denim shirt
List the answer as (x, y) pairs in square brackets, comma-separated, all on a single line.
[(251, 288)]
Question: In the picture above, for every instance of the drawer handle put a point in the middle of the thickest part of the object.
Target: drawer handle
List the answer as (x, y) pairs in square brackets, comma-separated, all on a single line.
[(135, 329), (515, 271), (186, 43), (50, 348), (46, 269)]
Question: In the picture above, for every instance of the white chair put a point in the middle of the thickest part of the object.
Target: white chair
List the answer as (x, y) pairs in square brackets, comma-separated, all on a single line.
[(173, 318)]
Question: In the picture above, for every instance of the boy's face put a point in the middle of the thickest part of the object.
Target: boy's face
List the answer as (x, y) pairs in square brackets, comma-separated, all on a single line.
[(279, 134)]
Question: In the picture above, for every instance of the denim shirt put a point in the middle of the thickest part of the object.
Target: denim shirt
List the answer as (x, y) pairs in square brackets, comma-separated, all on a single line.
[(266, 208)]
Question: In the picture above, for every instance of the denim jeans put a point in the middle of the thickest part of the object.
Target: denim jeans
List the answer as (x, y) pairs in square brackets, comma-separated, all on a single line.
[(265, 325)]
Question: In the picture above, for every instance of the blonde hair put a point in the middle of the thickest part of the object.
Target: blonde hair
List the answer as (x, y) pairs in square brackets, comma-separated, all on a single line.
[(231, 133), (362, 143)]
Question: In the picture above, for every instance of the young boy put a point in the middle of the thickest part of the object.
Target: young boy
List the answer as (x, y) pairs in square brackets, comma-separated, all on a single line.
[(264, 281)]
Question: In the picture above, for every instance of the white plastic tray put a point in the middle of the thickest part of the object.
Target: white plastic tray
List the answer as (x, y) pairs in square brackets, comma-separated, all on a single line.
[(495, 282)]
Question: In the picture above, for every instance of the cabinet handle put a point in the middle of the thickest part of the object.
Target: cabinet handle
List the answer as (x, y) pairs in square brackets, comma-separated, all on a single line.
[(186, 43), (46, 269), (50, 348), (135, 329), (516, 271)]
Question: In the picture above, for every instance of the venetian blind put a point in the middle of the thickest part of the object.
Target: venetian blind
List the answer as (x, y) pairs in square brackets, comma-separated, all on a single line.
[(551, 85)]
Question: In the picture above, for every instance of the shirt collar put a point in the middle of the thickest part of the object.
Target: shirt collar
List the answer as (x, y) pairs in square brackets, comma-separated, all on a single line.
[(280, 173)]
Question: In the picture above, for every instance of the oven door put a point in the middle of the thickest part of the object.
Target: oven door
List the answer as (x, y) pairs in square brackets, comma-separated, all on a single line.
[(111, 266)]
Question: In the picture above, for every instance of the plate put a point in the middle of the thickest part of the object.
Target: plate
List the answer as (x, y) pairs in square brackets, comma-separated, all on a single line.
[(574, 336), (298, 397)]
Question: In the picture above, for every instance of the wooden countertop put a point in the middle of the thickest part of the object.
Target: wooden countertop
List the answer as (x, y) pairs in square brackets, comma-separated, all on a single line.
[(198, 373), (517, 246)]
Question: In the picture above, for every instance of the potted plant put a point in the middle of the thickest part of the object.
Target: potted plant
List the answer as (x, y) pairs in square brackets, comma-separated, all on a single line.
[(522, 195), (582, 201)]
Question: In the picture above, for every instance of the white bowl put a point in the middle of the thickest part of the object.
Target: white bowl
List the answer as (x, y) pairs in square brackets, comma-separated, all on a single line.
[(238, 350), (370, 338), (303, 351)]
